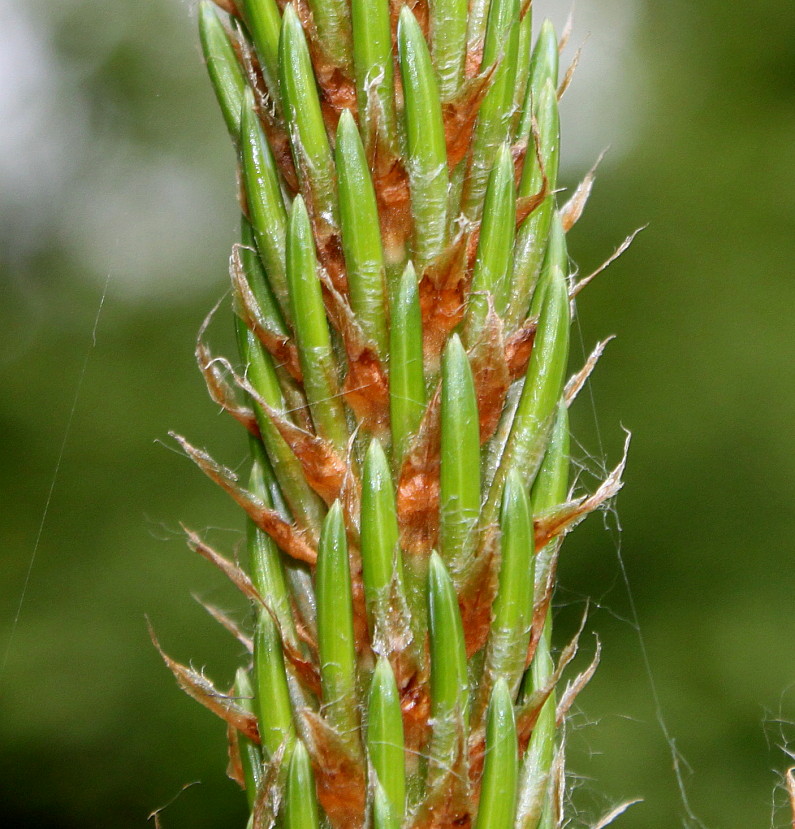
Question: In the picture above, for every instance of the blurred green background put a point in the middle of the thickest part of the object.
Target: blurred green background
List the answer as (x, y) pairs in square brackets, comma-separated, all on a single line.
[(116, 176)]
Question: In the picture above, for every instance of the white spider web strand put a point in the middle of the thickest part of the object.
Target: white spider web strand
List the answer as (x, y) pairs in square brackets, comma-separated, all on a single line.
[(53, 481), (691, 820)]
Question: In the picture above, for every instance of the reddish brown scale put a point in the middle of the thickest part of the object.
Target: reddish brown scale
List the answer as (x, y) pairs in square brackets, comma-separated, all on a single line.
[(340, 776), (392, 194), (575, 686), (281, 347), (269, 795), (361, 634), (234, 766), (365, 388), (335, 85), (323, 468), (474, 58), (527, 713), (565, 517), (293, 540), (448, 802), (305, 670), (461, 113), (519, 347), (279, 142), (227, 623), (231, 570), (326, 233), (415, 705), (301, 630), (525, 205), (477, 596), (518, 154), (541, 609), (419, 9), (490, 373), (337, 92), (204, 692), (442, 292), (221, 393), (418, 486), (229, 6)]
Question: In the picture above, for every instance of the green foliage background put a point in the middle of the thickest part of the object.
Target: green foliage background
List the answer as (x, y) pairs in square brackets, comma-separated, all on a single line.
[(115, 162)]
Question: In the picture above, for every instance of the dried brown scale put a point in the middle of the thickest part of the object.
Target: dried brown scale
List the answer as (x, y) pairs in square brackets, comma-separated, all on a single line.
[(392, 638), (228, 6), (578, 380), (476, 597), (279, 346), (419, 9), (365, 388), (294, 399), (575, 687), (231, 570), (289, 537), (418, 486), (519, 347), (410, 666), (571, 211), (474, 59), (234, 767), (566, 516), (525, 205), (442, 291), (518, 154), (415, 706), (393, 197), (204, 692), (272, 123), (448, 802), (568, 27), (360, 628), (336, 87), (279, 141), (221, 393), (461, 113), (527, 713), (304, 15), (249, 60), (541, 608), (269, 795), (219, 390), (586, 280), (233, 34), (340, 776), (323, 468), (227, 624), (564, 84), (491, 374), (329, 251), (302, 633), (304, 669), (351, 495)]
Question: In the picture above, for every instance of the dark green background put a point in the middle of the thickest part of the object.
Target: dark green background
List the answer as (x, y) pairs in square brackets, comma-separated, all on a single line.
[(115, 163)]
